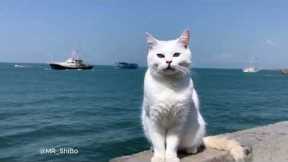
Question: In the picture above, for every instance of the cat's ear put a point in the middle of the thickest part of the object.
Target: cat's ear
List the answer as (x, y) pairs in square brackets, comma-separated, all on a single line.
[(151, 41), (185, 38)]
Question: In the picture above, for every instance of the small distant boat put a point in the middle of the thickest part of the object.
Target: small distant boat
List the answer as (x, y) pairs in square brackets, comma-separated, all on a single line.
[(19, 66), (284, 71), (73, 62), (250, 69), (126, 65)]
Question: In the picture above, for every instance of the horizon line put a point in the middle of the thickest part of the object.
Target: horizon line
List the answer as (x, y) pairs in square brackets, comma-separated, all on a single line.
[(196, 67)]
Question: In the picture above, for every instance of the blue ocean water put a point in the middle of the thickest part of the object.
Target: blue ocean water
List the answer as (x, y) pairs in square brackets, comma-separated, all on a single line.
[(97, 112)]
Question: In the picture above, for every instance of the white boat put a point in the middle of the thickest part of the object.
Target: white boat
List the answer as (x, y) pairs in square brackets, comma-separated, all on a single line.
[(284, 71), (73, 62), (250, 69), (19, 66)]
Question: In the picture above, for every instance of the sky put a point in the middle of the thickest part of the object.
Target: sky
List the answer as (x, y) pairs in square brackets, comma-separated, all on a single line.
[(224, 33)]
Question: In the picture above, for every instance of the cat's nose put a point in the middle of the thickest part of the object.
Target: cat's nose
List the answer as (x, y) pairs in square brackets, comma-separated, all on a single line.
[(169, 61)]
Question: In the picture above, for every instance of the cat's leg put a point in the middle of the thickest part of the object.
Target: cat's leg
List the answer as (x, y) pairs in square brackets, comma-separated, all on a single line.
[(156, 136), (192, 138), (172, 142), (191, 141)]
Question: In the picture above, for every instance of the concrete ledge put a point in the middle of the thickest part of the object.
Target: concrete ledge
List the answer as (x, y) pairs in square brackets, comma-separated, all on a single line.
[(269, 144), (209, 155)]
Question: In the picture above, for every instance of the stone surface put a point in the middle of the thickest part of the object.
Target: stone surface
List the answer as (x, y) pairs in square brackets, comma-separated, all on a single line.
[(266, 144), (205, 156)]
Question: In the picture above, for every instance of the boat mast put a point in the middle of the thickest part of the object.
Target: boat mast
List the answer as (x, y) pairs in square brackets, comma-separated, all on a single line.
[(74, 54)]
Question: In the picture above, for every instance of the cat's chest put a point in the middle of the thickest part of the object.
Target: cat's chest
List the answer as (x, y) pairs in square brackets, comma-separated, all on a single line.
[(165, 101), (163, 94), (170, 97), (169, 108), (170, 100)]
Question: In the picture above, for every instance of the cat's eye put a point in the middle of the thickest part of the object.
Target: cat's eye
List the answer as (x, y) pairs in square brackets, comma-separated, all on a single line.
[(160, 55), (176, 54)]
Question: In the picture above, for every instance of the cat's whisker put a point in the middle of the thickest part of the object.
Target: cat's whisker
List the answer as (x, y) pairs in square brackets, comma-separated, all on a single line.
[(182, 69)]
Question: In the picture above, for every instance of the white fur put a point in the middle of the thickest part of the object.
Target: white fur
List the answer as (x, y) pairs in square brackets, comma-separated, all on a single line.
[(170, 115)]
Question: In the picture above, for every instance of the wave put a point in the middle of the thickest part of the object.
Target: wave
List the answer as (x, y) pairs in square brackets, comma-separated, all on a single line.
[(36, 101)]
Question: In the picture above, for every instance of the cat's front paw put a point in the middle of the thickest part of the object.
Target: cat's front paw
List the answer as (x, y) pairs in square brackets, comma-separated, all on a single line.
[(157, 159), (172, 159)]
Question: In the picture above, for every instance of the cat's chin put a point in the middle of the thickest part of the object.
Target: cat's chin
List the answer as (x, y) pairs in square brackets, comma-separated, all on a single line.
[(170, 72), (167, 72)]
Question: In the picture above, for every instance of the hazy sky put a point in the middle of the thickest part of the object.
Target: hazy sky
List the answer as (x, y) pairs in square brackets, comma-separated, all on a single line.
[(224, 33)]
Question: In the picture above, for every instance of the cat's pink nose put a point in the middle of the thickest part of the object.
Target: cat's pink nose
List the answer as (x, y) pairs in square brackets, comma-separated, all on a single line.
[(169, 61)]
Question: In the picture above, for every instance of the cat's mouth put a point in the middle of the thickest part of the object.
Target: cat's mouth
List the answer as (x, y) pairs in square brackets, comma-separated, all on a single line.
[(169, 68)]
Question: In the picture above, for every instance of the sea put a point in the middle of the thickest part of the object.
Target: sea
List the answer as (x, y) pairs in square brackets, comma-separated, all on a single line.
[(94, 116)]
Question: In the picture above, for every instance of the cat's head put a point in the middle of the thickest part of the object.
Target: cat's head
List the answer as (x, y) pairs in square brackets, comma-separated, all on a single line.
[(169, 58)]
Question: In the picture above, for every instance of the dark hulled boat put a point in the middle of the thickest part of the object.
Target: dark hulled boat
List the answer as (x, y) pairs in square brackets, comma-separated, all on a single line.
[(126, 65)]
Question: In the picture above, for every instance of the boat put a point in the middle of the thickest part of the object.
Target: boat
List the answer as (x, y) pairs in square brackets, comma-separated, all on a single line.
[(74, 62), (126, 65), (19, 66), (251, 68), (284, 71)]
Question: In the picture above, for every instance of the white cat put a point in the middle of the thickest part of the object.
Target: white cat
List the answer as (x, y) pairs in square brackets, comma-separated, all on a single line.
[(170, 114)]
